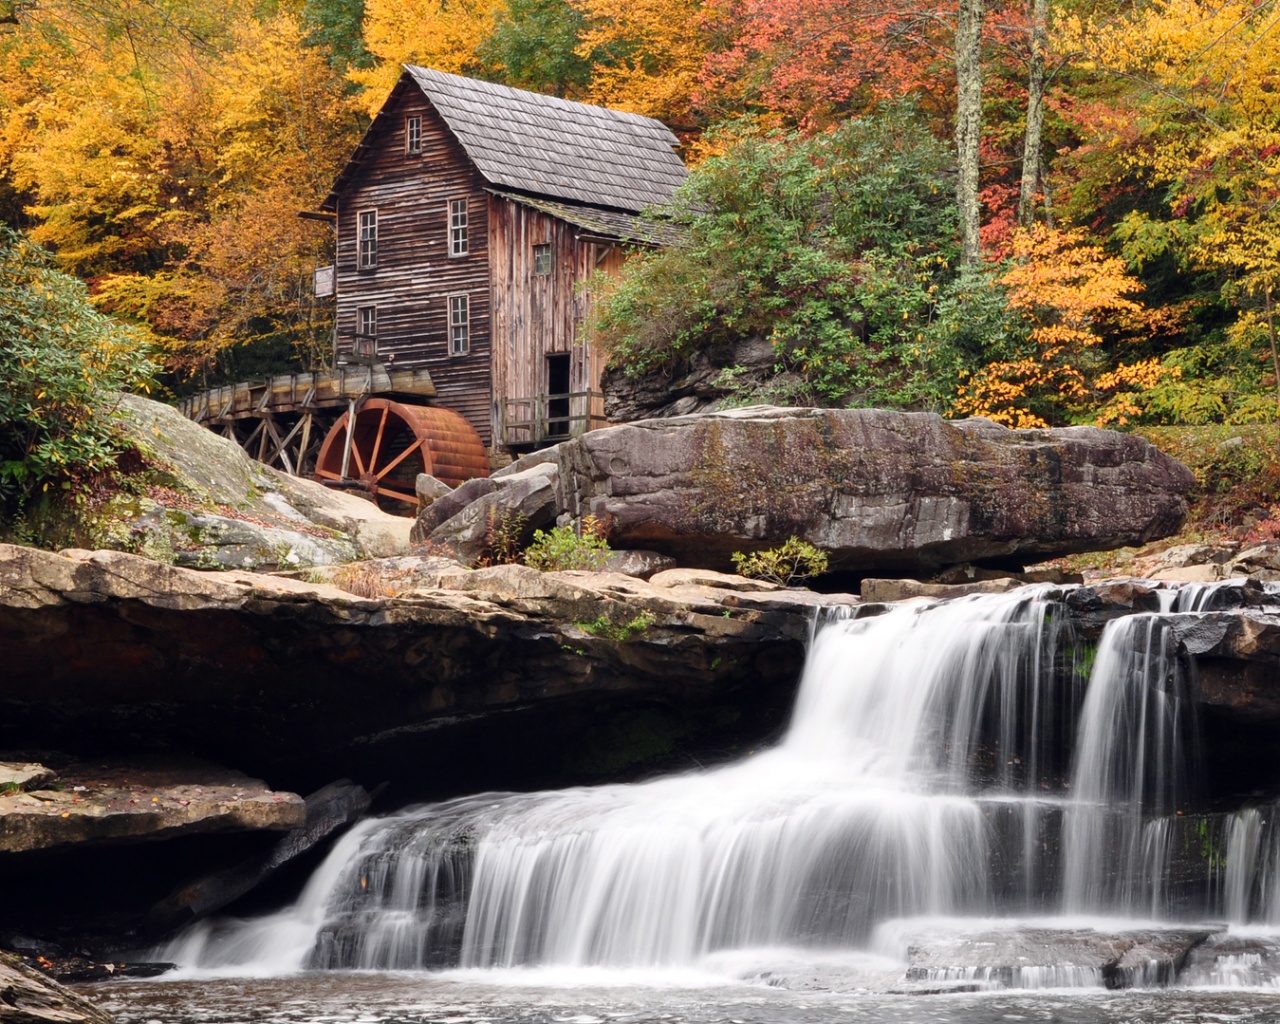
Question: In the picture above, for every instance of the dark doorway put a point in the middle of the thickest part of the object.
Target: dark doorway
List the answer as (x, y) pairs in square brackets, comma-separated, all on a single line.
[(558, 396)]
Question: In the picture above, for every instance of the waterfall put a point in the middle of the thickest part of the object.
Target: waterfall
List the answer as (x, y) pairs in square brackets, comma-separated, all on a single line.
[(1128, 770), (963, 759)]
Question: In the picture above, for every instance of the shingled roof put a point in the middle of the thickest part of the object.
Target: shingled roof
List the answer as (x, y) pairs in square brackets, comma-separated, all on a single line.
[(545, 146), (595, 220)]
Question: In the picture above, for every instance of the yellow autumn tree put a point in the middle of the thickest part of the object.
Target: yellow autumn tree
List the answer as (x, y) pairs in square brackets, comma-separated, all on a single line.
[(647, 54), (81, 132), (278, 127), (1072, 299), (167, 150), (1204, 78), (440, 34)]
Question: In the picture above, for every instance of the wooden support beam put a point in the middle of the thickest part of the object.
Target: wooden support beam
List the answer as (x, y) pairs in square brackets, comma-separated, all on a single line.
[(305, 443), (253, 436)]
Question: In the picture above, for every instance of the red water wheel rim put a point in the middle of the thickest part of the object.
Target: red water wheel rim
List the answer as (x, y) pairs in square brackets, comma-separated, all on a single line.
[(391, 443)]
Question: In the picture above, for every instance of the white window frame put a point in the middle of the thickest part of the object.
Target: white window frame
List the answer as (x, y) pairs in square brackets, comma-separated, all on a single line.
[(413, 135), (366, 254), (459, 326), (459, 217), (542, 249)]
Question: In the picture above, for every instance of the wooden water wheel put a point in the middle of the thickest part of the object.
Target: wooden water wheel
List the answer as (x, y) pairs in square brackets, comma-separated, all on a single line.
[(391, 443)]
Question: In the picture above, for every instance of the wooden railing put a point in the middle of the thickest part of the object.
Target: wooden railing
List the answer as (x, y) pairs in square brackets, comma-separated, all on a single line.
[(545, 419)]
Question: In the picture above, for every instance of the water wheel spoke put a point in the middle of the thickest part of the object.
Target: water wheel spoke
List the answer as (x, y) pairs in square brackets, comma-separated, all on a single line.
[(387, 492), (355, 454), (399, 459), (327, 475), (377, 441)]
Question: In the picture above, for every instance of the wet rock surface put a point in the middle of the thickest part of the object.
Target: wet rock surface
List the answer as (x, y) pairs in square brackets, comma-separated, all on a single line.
[(328, 811), (1025, 956), (297, 681), (28, 997), (287, 679)]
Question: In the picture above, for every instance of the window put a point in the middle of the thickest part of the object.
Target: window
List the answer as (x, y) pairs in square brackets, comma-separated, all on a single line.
[(459, 325), (457, 227), (542, 259), (368, 238), (413, 135), (365, 344)]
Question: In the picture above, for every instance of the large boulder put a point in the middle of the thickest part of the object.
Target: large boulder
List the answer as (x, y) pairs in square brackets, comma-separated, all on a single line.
[(525, 501), (197, 499), (879, 490)]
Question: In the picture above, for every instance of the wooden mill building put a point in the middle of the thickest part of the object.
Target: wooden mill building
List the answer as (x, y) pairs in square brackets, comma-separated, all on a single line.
[(471, 221)]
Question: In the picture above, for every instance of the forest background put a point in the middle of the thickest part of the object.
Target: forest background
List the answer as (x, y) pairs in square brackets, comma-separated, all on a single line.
[(1051, 211)]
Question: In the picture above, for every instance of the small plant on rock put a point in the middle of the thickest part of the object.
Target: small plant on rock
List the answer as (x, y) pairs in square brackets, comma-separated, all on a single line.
[(791, 562), (503, 534), (566, 547), (361, 580), (607, 629)]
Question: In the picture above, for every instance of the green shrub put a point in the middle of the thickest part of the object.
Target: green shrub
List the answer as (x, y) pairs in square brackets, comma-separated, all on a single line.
[(62, 365), (789, 563), (565, 547), (839, 248)]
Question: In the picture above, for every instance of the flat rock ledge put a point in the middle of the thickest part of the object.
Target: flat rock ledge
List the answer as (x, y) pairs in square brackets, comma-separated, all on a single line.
[(266, 672), (131, 804), (447, 669)]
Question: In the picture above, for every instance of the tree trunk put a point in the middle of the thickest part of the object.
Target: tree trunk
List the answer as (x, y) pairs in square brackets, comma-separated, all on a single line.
[(1031, 173), (1275, 351), (968, 124)]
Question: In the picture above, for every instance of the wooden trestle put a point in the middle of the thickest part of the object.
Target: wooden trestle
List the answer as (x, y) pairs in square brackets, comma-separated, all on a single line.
[(283, 420)]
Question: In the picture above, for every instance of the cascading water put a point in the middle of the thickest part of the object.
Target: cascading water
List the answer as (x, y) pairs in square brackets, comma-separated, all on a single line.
[(1129, 771), (944, 761)]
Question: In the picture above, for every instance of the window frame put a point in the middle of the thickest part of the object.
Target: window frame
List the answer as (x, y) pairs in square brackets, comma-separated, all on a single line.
[(413, 135), (367, 245), (454, 324), (541, 250), (459, 231), (367, 316)]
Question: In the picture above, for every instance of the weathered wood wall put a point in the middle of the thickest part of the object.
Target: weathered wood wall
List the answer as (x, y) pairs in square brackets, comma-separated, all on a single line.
[(536, 315), (414, 272)]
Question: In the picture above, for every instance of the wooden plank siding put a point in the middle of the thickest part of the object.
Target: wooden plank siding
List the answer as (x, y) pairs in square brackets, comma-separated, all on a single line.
[(415, 273), (536, 315)]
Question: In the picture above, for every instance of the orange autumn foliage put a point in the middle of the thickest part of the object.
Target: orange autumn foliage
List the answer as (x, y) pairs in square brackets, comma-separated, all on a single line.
[(1073, 299)]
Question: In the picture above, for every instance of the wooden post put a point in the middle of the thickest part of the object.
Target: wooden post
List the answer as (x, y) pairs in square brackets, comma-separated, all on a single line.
[(305, 443), (346, 447), (1275, 353)]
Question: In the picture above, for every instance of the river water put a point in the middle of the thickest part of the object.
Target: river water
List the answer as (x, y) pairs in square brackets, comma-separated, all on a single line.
[(409, 998), (973, 816)]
